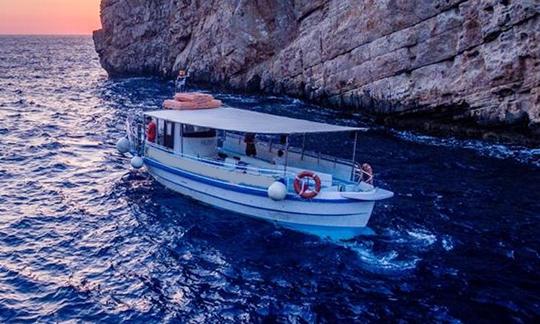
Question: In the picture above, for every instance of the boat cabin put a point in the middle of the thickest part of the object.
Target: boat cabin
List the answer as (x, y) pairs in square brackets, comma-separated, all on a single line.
[(213, 143)]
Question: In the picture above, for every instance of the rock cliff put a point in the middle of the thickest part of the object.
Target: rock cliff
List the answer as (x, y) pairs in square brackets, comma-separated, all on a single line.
[(469, 62)]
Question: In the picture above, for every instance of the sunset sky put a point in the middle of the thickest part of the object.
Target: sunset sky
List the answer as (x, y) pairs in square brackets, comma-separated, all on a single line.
[(49, 16)]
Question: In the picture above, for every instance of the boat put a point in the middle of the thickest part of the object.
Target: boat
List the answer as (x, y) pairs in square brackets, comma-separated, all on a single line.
[(204, 154)]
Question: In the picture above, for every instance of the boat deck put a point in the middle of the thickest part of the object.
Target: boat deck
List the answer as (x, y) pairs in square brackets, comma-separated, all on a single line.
[(328, 182)]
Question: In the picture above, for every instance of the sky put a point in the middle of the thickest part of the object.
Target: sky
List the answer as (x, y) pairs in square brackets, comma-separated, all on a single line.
[(47, 17)]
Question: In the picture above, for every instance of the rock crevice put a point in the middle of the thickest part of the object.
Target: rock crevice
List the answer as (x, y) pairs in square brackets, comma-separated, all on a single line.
[(476, 60)]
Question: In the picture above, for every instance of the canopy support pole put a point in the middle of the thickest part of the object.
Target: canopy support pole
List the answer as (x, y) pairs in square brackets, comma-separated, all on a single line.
[(354, 155), (286, 157), (182, 139), (303, 146)]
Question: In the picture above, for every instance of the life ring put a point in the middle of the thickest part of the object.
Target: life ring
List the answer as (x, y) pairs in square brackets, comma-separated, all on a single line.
[(302, 188)]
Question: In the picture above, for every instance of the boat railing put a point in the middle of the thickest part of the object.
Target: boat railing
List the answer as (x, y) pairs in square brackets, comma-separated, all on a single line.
[(321, 156), (135, 133), (304, 153), (276, 173), (239, 166)]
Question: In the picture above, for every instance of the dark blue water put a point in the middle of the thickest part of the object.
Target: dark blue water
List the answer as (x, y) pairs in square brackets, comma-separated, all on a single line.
[(83, 237)]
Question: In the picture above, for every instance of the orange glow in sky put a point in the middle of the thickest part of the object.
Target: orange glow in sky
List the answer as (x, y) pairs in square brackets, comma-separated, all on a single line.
[(49, 16)]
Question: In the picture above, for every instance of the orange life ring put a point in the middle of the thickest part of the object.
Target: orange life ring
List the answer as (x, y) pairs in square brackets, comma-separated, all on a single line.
[(302, 188)]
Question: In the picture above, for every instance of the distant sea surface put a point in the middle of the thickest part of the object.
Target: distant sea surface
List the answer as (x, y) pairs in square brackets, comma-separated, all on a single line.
[(84, 237)]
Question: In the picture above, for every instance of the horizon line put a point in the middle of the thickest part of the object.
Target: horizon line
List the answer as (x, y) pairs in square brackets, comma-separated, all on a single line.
[(74, 34)]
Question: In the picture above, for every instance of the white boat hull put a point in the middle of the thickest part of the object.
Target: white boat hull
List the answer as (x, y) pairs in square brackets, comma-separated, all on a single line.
[(334, 218)]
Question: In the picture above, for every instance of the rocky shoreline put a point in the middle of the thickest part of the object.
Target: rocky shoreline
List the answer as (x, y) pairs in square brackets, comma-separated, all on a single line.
[(469, 67), (436, 123)]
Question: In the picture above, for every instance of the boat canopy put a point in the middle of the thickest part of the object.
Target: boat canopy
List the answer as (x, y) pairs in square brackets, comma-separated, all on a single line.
[(246, 121)]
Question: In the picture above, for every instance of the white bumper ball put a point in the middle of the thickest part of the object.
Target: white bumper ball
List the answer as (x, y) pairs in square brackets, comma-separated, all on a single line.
[(137, 162), (123, 145), (277, 191)]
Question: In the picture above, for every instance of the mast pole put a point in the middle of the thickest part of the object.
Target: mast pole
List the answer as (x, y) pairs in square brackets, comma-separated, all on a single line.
[(286, 156), (303, 146), (182, 139), (354, 154)]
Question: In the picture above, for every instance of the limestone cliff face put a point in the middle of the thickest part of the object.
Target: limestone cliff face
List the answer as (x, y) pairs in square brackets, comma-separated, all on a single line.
[(476, 61)]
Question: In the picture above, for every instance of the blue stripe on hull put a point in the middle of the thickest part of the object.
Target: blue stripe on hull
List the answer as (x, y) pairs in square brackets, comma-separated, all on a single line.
[(231, 187)]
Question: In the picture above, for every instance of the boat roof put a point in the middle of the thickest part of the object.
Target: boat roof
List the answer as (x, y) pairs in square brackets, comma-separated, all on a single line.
[(246, 121)]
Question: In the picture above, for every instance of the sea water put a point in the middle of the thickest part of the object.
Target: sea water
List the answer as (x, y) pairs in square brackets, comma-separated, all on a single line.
[(82, 236)]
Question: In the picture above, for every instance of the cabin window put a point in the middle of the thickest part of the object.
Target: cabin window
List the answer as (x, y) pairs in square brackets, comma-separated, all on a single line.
[(198, 132), (160, 132), (168, 138)]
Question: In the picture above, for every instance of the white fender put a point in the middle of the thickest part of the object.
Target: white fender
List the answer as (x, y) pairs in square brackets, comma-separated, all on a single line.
[(137, 162), (277, 191), (123, 145)]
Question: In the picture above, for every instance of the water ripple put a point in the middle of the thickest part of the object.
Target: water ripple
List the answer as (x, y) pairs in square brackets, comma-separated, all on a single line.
[(84, 237)]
